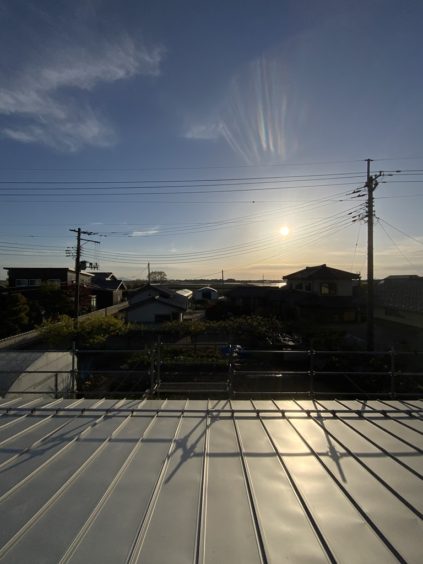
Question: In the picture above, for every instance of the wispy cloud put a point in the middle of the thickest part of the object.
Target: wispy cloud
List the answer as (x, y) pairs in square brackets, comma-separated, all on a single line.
[(253, 117), (145, 233), (207, 132), (42, 101)]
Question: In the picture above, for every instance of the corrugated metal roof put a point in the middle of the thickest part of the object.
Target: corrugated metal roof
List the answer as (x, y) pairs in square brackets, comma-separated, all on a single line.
[(212, 482)]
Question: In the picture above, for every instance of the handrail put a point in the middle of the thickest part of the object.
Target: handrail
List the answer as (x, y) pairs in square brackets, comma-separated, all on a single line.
[(159, 379)]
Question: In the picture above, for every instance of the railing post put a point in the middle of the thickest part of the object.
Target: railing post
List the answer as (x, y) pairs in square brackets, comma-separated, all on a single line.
[(158, 360), (73, 369), (311, 353), (56, 386), (392, 355), (231, 371)]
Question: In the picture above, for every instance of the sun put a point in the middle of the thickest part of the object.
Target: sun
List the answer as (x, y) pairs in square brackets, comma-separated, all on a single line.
[(284, 230)]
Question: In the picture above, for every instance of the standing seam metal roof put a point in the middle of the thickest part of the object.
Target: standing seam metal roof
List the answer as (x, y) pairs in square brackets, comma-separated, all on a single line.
[(218, 481)]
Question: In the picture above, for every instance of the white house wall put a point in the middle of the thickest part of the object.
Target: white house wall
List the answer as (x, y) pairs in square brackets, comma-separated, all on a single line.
[(148, 312)]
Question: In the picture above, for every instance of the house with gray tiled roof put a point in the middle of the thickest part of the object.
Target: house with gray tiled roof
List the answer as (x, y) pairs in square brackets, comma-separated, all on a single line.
[(325, 293), (108, 289), (154, 304), (322, 280)]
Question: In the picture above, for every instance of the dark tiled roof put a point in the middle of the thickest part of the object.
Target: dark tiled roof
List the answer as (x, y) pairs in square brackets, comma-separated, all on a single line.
[(107, 280), (321, 272), (171, 302)]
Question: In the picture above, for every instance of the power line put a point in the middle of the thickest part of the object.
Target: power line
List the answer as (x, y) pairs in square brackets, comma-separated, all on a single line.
[(228, 189), (395, 244), (208, 167), (402, 232), (246, 179)]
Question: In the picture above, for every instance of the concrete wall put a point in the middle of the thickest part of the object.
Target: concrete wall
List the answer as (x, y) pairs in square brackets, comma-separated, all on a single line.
[(52, 377)]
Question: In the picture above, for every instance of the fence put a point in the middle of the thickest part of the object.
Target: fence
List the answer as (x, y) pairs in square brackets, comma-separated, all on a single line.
[(219, 370)]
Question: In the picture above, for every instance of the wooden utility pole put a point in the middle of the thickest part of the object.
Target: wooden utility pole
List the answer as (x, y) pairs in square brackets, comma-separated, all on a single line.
[(77, 275), (371, 185), (79, 232)]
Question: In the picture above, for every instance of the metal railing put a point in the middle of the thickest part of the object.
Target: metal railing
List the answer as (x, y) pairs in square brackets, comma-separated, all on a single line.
[(161, 369)]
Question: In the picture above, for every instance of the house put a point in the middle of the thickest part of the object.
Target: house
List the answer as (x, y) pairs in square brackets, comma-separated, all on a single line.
[(32, 277), (322, 280), (206, 294), (325, 294), (30, 281), (156, 304), (108, 289), (249, 299)]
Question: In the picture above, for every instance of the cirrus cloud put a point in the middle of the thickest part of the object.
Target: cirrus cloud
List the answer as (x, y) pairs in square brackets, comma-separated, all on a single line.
[(43, 100)]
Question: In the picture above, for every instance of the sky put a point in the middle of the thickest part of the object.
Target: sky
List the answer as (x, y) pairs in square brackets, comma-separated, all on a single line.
[(201, 137)]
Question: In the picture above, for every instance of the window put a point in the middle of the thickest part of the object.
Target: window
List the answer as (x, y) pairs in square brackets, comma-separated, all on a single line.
[(299, 286), (21, 282), (34, 282), (328, 289), (307, 287), (54, 282)]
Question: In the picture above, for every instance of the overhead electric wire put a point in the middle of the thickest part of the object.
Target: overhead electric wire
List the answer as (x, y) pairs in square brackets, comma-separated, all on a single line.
[(208, 167), (396, 245), (400, 197), (176, 193), (317, 231), (356, 245), (390, 181), (247, 179), (235, 247), (211, 226), (402, 232), (196, 227), (216, 254), (306, 242)]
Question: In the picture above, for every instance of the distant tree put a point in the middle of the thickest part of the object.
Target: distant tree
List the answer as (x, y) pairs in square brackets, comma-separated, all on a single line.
[(49, 302), (158, 276), (130, 284), (14, 311)]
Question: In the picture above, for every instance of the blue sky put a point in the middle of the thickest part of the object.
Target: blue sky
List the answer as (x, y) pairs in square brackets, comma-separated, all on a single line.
[(187, 134)]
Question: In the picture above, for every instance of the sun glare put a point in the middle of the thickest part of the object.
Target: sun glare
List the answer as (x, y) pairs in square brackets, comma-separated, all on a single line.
[(284, 230)]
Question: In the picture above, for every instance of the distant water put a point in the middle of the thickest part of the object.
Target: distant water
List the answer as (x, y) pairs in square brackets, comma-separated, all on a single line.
[(269, 284), (266, 283)]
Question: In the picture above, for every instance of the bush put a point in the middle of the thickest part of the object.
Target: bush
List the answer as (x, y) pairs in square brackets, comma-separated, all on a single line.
[(91, 332)]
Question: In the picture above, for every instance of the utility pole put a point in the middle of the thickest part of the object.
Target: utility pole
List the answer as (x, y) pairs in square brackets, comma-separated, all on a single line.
[(77, 276), (149, 274), (79, 239), (368, 214), (223, 280), (371, 185)]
